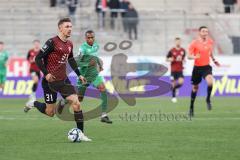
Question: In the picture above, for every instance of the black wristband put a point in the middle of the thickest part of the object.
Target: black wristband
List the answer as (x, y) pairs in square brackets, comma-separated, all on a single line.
[(77, 72)]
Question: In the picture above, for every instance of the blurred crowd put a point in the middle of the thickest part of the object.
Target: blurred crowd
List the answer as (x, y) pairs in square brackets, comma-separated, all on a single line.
[(122, 8), (231, 6), (115, 8)]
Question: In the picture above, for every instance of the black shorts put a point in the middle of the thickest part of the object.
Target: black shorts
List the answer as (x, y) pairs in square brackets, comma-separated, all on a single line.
[(200, 72), (51, 89), (35, 73), (176, 75)]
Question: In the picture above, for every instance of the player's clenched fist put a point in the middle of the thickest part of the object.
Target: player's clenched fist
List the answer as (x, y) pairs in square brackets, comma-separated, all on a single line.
[(50, 78)]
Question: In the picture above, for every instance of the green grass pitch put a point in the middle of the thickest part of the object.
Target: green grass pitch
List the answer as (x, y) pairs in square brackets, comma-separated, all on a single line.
[(211, 135)]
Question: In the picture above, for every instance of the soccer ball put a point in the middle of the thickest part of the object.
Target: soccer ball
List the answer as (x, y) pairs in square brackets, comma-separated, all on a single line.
[(73, 135)]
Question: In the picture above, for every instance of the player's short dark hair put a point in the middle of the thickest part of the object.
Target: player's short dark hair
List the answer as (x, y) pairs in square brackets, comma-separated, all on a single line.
[(177, 38), (89, 32), (202, 27), (61, 21), (1, 42), (36, 40)]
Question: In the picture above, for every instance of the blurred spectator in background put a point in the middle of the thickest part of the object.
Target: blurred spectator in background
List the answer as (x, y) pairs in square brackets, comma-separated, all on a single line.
[(229, 5), (3, 65), (114, 5), (72, 7), (124, 5), (62, 3), (132, 21), (53, 3), (100, 8), (33, 69), (237, 6)]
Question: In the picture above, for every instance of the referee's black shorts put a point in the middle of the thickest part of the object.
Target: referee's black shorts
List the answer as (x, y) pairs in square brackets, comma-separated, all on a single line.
[(51, 89), (200, 72)]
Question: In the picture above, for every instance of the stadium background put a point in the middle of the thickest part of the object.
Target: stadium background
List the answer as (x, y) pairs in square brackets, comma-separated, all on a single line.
[(160, 21), (209, 135)]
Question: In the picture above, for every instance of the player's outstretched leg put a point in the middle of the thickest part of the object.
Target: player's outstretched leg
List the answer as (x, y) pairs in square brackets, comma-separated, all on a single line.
[(104, 104), (32, 96), (47, 109), (81, 92), (174, 99), (78, 115), (209, 79), (193, 97), (176, 87)]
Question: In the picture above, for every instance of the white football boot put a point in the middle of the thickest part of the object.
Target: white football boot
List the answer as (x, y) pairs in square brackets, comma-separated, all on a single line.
[(84, 138), (174, 100), (29, 105)]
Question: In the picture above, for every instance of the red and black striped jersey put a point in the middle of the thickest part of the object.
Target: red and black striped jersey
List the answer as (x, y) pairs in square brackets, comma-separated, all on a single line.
[(31, 59), (54, 56), (178, 56)]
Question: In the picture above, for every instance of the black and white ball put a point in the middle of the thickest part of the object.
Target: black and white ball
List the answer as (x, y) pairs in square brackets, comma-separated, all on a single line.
[(73, 135)]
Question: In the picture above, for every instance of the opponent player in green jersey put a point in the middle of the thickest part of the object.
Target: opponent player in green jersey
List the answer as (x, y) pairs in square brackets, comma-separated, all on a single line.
[(3, 65), (90, 65)]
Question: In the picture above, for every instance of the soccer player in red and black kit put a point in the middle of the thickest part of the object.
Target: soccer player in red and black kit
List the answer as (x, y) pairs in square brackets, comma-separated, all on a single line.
[(176, 56), (201, 50), (34, 70), (52, 61)]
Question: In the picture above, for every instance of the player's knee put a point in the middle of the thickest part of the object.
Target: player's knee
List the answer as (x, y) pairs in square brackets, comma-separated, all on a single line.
[(74, 102), (210, 82), (80, 98), (181, 81), (102, 88), (50, 113), (76, 105), (195, 88)]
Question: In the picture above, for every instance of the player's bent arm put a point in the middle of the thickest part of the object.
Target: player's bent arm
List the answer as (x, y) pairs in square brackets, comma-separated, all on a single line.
[(215, 61), (100, 63), (191, 52), (28, 56), (73, 64), (45, 50), (169, 57), (191, 57)]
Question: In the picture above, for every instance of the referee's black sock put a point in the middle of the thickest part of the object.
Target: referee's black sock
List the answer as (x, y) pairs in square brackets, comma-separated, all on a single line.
[(40, 106), (209, 91), (79, 120), (193, 97)]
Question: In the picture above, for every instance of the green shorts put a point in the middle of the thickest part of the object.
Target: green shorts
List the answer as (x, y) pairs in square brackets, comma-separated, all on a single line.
[(99, 80), (3, 78)]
